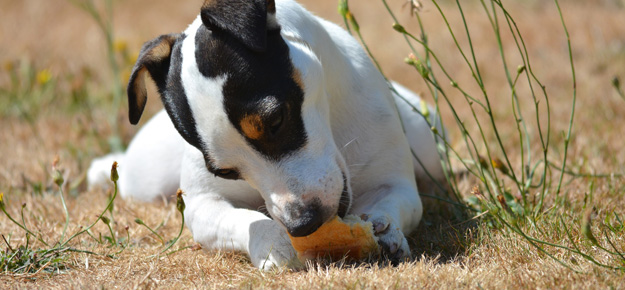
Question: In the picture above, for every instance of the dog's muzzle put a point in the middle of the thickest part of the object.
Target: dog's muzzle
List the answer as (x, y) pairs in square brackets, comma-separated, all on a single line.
[(312, 217)]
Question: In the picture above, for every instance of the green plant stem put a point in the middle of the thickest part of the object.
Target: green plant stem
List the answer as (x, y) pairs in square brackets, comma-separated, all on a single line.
[(175, 239), (112, 234), (99, 241), (23, 227), (178, 250), (534, 242), (522, 48), (123, 247), (445, 156), (106, 27), (475, 75), (153, 231), (65, 211), (584, 175), (463, 206), (96, 221), (586, 256), (489, 110), (568, 134), (616, 250), (516, 110), (24, 223), (7, 243)]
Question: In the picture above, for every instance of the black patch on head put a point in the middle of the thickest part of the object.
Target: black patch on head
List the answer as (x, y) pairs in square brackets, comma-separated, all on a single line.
[(246, 20), (175, 100), (260, 90)]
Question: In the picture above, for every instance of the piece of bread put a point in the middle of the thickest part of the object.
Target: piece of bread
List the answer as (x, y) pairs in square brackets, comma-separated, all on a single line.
[(350, 237)]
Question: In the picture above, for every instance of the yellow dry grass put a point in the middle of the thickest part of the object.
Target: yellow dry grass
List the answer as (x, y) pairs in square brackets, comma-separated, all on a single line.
[(447, 254)]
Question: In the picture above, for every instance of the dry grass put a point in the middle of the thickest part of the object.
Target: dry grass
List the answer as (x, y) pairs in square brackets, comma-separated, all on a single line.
[(447, 253)]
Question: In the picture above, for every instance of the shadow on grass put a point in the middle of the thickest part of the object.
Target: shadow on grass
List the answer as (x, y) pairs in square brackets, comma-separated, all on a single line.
[(444, 234)]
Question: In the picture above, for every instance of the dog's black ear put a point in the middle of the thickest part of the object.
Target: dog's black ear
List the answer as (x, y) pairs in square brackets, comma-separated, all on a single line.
[(245, 20), (154, 59)]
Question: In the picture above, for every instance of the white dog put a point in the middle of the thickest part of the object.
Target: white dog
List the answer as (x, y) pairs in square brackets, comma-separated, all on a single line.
[(276, 121)]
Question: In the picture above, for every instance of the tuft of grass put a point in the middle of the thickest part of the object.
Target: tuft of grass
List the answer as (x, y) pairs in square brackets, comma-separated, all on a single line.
[(32, 261), (52, 258), (28, 260), (28, 91)]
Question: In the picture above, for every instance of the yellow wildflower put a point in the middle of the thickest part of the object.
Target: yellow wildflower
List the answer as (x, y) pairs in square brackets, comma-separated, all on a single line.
[(44, 76), (120, 45), (498, 164), (8, 66)]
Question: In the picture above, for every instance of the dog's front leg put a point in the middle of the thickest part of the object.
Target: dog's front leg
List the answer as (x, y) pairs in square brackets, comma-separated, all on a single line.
[(220, 215), (395, 210), (216, 224)]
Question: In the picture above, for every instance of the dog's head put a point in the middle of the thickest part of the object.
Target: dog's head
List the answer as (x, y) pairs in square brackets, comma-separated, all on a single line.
[(254, 103)]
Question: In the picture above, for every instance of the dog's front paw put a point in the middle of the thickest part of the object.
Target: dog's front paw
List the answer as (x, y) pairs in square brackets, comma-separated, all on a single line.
[(393, 244), (277, 255), (270, 246)]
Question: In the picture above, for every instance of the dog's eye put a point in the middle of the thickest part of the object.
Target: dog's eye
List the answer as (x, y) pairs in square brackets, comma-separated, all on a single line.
[(276, 124), (227, 174)]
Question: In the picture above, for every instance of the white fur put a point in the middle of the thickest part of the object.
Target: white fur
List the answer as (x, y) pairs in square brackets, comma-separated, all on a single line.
[(354, 129)]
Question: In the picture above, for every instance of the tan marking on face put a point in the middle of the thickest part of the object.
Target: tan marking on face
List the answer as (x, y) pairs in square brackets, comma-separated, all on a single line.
[(252, 126), (297, 77)]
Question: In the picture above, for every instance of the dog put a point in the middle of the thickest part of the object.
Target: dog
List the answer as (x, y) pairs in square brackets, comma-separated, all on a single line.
[(275, 121)]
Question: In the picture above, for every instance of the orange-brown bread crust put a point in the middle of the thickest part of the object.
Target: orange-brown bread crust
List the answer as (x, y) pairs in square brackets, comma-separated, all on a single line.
[(336, 239)]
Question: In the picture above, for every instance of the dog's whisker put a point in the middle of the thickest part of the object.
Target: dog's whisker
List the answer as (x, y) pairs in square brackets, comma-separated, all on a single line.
[(347, 144), (263, 209)]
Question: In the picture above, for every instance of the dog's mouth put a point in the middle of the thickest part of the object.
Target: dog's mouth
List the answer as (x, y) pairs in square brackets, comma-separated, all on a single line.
[(344, 201), (302, 220)]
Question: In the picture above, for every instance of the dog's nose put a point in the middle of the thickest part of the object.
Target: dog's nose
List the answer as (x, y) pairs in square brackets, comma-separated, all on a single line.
[(306, 224)]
